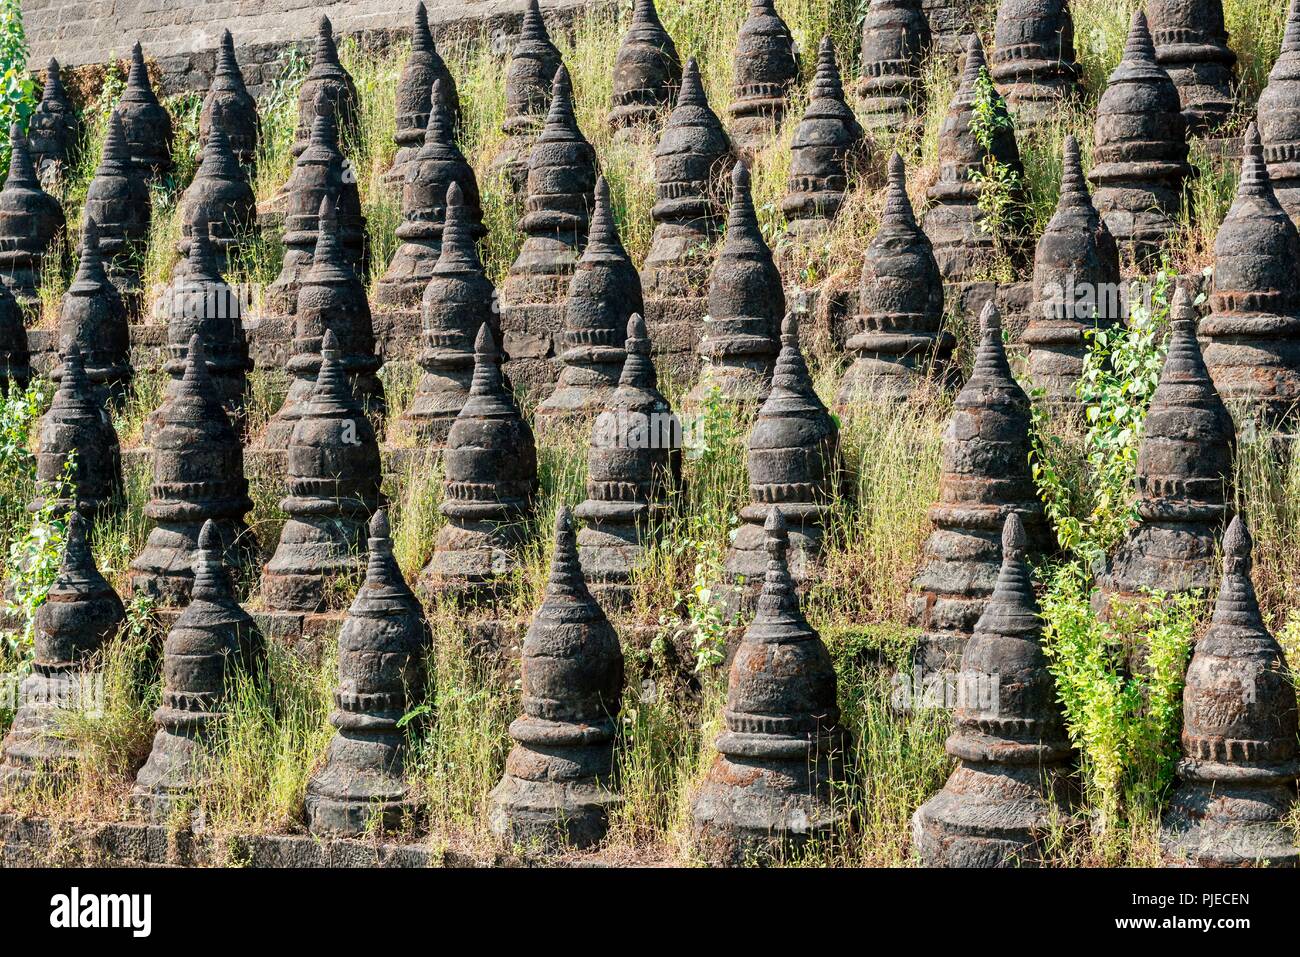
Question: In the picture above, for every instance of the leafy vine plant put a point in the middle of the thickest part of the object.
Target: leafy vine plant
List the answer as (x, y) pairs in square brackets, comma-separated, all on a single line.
[(18, 96), (1120, 372), (1000, 185), (1123, 720)]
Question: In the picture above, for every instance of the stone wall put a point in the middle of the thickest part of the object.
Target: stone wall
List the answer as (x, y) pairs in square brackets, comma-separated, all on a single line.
[(181, 36)]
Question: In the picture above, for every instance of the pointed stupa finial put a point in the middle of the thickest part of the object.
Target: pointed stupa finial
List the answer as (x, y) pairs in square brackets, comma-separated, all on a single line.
[(602, 236), (991, 355), (1236, 606), (331, 381), (778, 602), (560, 120), (638, 368), (898, 207), (790, 377), (78, 563), (533, 27), (90, 265), (1074, 190), (1013, 539), (1254, 179), (324, 127), (53, 89), (329, 250), (382, 572), (742, 219), (644, 14), (1184, 379), (421, 36), (199, 257), (691, 92), (73, 381), (1139, 47), (227, 65), (459, 252), (21, 171), (487, 379), (138, 86), (196, 370), (826, 82), (211, 580), (441, 127), (326, 50), (566, 578), (975, 61), (1291, 37), (1012, 608), (117, 152)]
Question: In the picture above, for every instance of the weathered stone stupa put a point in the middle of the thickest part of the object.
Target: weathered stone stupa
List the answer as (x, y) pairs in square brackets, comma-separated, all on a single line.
[(898, 336), (457, 302), (1237, 777), (333, 479), (746, 304), (561, 183), (318, 172), (647, 71), (895, 41), (15, 356), (30, 220), (690, 163), (211, 641), (93, 317), (118, 201), (424, 79), (528, 95), (556, 792), (794, 464), (489, 484), (81, 613), (828, 146), (1184, 476), (1076, 286), (604, 293), (428, 173), (1192, 46), (221, 200), (771, 788), (985, 477), (77, 424), (53, 129), (148, 127), (1252, 335), (200, 303), (1034, 64), (331, 297), (381, 677), (766, 69), (198, 481), (633, 460), (1278, 114), (229, 107), (1009, 741), (964, 239), (1139, 150), (329, 82)]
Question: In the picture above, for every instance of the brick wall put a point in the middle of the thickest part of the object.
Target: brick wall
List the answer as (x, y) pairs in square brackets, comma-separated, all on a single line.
[(182, 35)]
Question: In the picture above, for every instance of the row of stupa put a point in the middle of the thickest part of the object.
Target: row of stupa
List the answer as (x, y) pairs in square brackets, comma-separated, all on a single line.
[(558, 320), (784, 760)]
